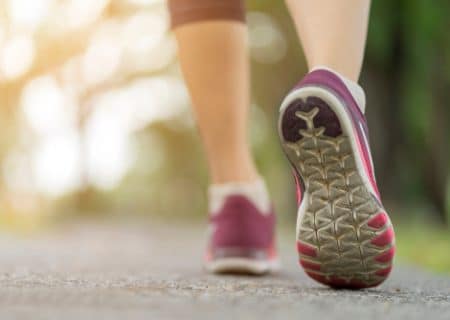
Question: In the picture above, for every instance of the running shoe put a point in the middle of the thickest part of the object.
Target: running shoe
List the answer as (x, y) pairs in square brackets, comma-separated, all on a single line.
[(344, 236), (242, 235)]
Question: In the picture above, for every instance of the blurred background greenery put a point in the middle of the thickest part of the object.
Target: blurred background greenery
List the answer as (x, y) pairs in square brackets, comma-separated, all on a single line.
[(96, 122)]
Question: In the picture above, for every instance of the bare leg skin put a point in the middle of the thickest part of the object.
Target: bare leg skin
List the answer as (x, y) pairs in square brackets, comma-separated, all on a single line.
[(214, 61), (332, 32)]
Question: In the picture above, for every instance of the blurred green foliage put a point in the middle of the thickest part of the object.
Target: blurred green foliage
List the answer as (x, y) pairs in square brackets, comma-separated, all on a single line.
[(407, 68), (406, 75), (407, 79), (413, 244)]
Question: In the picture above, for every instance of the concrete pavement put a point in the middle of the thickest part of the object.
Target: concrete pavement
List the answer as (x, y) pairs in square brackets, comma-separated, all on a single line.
[(152, 271)]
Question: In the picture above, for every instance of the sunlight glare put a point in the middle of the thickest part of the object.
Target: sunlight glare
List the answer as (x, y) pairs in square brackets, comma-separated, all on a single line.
[(267, 43), (143, 48), (2, 35), (47, 109), (16, 56), (101, 60), (109, 152), (118, 114), (56, 164), (28, 13), (82, 12), (146, 2)]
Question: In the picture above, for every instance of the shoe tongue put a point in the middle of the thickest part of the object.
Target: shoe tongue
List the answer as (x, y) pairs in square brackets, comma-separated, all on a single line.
[(354, 88), (255, 192)]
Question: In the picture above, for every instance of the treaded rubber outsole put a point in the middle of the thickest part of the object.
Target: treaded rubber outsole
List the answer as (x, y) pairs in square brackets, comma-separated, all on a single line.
[(344, 236)]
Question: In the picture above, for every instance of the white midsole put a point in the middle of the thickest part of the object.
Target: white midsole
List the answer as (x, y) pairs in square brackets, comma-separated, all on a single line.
[(346, 125), (245, 265)]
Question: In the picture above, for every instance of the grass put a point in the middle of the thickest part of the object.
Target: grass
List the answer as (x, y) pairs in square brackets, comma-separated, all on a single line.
[(424, 245)]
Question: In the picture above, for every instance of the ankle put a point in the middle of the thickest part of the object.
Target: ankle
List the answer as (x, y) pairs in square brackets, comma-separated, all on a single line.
[(234, 177), (240, 170), (255, 191)]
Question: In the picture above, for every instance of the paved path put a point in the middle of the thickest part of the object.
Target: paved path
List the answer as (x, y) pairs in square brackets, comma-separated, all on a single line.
[(98, 271)]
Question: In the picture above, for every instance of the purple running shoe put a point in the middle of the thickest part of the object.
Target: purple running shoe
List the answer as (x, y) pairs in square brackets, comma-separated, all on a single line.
[(242, 226), (344, 236)]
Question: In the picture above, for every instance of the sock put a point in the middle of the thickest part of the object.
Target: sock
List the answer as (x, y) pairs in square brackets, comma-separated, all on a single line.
[(354, 88), (255, 191)]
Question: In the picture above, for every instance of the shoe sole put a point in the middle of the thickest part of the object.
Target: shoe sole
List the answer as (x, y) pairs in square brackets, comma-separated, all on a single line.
[(344, 236), (242, 266)]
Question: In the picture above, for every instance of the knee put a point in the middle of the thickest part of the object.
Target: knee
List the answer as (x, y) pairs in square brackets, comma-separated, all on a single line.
[(189, 11)]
